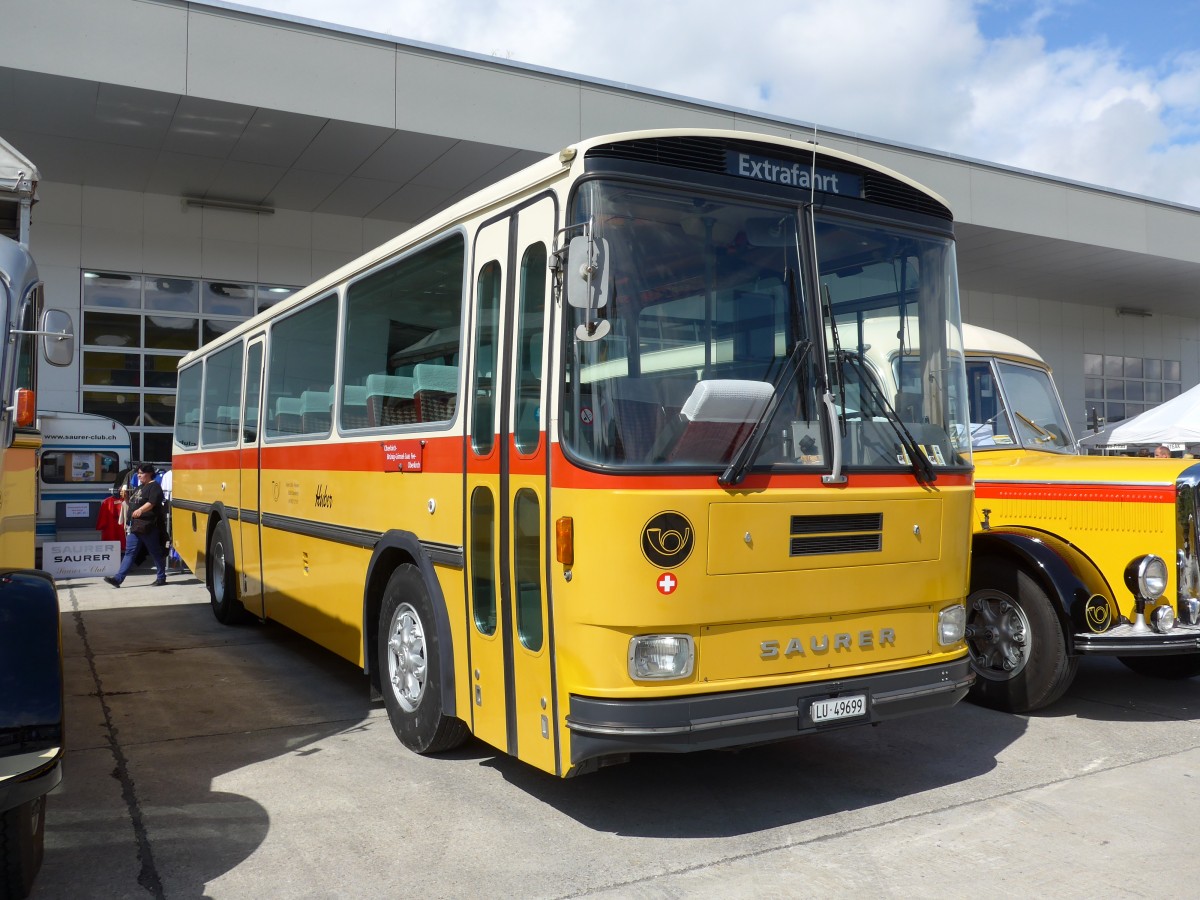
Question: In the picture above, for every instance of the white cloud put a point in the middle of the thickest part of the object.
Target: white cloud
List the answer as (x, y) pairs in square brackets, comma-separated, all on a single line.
[(914, 71)]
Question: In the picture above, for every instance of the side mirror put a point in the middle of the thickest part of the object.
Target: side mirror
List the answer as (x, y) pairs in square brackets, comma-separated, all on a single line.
[(58, 338), (587, 273)]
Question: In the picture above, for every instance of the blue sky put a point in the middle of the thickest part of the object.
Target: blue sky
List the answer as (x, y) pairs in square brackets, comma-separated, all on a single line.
[(1098, 91)]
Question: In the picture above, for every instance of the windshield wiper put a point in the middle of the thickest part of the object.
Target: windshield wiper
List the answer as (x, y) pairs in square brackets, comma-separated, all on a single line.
[(921, 465), (748, 450)]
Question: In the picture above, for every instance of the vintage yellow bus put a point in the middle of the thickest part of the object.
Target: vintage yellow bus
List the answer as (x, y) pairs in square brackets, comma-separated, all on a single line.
[(569, 467), (31, 683), (1073, 555)]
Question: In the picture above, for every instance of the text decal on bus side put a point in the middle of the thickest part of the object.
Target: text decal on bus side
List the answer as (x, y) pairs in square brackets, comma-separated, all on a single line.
[(402, 456), (792, 174)]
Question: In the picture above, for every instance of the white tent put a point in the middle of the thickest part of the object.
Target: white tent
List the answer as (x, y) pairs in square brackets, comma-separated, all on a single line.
[(1175, 422)]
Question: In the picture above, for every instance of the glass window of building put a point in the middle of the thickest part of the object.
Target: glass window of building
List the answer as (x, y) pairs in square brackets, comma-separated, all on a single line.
[(136, 327)]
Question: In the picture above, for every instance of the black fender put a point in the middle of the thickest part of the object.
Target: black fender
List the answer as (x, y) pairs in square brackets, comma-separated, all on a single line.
[(1067, 576), (31, 684), (393, 549)]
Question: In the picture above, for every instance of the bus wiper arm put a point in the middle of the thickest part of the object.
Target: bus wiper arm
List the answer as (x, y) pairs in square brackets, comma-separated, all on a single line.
[(921, 465), (738, 466)]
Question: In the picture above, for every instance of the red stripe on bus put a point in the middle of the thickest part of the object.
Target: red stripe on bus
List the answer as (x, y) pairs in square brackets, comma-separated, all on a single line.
[(444, 455), (1086, 493)]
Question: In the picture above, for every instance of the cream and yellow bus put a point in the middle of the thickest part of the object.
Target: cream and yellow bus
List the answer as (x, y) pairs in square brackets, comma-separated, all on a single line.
[(1072, 556), (571, 467), (31, 680)]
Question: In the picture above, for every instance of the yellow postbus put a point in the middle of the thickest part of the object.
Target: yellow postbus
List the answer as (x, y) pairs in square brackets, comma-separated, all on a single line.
[(1072, 555), (31, 685), (570, 467)]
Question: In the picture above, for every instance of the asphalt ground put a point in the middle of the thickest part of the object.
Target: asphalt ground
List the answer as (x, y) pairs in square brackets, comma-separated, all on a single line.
[(240, 762)]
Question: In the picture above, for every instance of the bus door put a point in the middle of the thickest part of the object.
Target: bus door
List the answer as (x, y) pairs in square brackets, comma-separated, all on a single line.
[(512, 701), (249, 546)]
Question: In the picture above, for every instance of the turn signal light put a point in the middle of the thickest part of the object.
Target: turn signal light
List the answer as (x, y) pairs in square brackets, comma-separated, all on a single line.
[(564, 540), (26, 408)]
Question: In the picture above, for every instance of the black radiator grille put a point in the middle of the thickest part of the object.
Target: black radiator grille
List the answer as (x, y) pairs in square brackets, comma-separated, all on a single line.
[(703, 154), (836, 543), (845, 533)]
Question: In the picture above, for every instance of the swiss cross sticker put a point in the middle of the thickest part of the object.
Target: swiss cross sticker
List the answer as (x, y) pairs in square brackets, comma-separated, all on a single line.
[(667, 583)]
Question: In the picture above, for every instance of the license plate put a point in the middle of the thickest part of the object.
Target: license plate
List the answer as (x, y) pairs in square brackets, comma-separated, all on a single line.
[(839, 708)]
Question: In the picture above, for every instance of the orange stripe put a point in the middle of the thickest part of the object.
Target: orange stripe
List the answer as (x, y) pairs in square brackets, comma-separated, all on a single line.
[(444, 455), (1085, 493)]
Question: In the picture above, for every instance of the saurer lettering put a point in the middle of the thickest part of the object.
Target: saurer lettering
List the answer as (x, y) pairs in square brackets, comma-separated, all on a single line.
[(842, 640)]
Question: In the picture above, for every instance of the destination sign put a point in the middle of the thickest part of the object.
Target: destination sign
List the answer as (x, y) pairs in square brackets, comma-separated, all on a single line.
[(792, 174)]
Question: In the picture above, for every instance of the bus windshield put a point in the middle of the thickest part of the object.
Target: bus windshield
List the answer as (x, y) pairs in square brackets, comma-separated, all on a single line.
[(709, 319), (1019, 408)]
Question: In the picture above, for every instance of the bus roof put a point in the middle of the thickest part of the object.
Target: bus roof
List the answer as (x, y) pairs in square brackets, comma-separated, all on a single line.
[(553, 167), (18, 176), (979, 341)]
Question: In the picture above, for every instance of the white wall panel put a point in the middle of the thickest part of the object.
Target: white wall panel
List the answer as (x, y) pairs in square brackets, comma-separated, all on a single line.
[(233, 260), (75, 37), (290, 67), (284, 265), (170, 254)]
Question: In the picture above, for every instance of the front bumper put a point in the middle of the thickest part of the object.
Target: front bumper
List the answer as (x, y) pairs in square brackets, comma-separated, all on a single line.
[(1124, 640), (601, 728)]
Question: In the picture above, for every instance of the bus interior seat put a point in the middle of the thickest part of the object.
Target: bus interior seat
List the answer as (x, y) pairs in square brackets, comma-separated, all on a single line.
[(717, 416), (435, 389), (288, 418), (390, 400), (354, 406), (643, 408), (314, 411)]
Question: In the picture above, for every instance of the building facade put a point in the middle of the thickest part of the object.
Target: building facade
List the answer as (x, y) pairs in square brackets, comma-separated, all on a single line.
[(200, 160)]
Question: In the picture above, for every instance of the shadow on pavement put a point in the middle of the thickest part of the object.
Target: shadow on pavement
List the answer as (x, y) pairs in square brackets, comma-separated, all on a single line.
[(162, 701)]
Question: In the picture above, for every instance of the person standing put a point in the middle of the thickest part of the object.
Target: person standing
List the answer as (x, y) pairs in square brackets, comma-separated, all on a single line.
[(145, 527)]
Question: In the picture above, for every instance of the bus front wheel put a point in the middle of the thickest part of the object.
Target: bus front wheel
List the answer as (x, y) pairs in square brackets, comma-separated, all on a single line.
[(222, 578), (1016, 641), (22, 837), (410, 666)]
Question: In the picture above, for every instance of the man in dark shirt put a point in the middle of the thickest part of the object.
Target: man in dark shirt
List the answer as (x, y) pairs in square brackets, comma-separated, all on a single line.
[(145, 527)]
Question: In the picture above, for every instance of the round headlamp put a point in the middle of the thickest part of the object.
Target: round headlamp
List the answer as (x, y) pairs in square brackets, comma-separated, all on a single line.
[(1146, 576), (1162, 619)]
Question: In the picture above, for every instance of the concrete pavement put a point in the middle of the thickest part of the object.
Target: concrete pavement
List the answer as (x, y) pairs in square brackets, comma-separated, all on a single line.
[(234, 762)]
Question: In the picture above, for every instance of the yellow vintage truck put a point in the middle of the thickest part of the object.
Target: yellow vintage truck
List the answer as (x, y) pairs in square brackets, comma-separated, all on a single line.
[(1072, 555)]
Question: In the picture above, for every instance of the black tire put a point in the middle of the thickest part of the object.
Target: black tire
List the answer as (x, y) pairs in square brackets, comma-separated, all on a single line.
[(410, 660), (1016, 640), (22, 843), (222, 578), (1171, 668)]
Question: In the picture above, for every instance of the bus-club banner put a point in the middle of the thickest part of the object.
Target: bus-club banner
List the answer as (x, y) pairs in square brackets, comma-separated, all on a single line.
[(81, 559)]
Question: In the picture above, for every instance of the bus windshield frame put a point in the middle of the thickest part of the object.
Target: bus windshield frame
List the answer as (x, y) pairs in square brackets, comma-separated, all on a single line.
[(710, 294)]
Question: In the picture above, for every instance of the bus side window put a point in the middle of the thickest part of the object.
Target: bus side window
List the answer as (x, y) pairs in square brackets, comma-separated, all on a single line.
[(404, 315), (302, 360)]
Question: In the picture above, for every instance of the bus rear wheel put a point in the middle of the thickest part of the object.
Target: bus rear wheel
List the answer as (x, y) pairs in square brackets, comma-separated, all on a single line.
[(410, 667), (1172, 668), (222, 578), (22, 843), (1016, 641)]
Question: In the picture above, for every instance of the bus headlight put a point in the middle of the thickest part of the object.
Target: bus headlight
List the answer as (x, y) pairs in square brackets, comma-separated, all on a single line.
[(952, 624), (1146, 577), (1162, 619), (660, 656)]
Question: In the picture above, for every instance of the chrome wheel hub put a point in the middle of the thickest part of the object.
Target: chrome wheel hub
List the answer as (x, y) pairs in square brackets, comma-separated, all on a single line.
[(998, 636), (407, 665)]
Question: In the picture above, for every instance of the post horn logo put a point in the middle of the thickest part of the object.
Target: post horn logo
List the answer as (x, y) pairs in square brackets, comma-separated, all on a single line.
[(667, 540), (1098, 614)]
